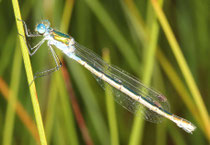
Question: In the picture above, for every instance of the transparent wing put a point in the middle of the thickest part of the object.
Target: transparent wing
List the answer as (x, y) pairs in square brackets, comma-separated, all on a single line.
[(129, 82)]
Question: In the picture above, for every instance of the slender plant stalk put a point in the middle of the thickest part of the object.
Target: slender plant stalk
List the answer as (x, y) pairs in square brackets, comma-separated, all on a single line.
[(183, 66), (75, 106), (160, 55), (6, 54), (21, 112), (56, 84), (66, 104), (112, 29), (66, 17), (150, 49), (164, 63), (136, 20), (14, 85), (84, 86), (67, 111), (51, 109), (159, 83), (29, 73), (178, 85), (111, 107), (139, 27)]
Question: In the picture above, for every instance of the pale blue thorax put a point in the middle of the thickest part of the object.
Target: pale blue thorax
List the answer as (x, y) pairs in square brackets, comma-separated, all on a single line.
[(45, 30)]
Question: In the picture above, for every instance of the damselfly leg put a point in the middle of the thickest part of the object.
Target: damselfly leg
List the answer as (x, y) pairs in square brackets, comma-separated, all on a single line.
[(26, 30), (33, 50), (51, 70)]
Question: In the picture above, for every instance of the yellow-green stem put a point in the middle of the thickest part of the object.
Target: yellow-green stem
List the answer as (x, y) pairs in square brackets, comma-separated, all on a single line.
[(10, 115), (111, 107), (29, 73), (183, 66)]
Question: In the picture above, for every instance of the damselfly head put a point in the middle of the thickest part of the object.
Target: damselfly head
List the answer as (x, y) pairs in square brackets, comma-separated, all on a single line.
[(46, 23), (42, 27)]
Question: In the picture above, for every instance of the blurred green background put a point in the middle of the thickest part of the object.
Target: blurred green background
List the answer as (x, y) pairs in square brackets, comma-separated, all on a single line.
[(126, 33)]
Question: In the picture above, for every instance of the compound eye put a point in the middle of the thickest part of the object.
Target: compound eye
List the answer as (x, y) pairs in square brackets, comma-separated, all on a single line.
[(40, 28), (46, 23)]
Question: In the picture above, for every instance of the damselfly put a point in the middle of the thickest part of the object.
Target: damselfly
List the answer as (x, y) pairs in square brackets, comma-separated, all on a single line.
[(129, 91)]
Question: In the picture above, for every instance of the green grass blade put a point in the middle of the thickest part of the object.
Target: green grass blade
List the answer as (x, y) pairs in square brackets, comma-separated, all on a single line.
[(67, 111), (110, 104), (184, 67), (67, 13), (121, 41), (149, 57), (88, 96), (21, 112), (51, 109), (179, 86), (29, 73), (14, 85)]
